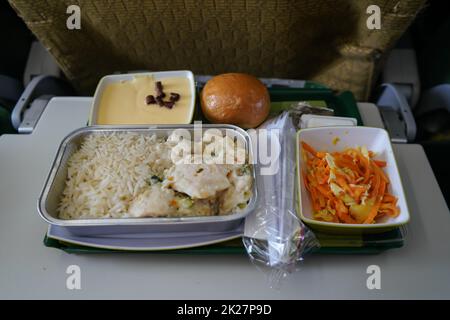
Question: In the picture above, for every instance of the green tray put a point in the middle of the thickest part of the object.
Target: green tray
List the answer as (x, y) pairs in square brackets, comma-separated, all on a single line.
[(344, 105), (329, 244)]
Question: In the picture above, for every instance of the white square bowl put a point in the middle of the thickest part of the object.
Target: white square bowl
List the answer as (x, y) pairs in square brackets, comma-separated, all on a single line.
[(331, 139), (158, 76)]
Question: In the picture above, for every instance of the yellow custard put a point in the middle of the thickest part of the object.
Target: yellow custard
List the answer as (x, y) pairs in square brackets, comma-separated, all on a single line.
[(124, 102)]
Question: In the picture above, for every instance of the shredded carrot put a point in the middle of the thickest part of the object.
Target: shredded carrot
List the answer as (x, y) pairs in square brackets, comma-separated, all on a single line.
[(308, 148), (380, 163), (352, 190)]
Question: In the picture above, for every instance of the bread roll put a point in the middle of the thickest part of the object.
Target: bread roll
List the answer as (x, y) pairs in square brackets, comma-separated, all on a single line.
[(235, 98)]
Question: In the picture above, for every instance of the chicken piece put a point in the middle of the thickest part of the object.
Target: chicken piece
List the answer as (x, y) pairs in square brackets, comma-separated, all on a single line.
[(199, 181), (235, 198), (189, 207), (154, 202)]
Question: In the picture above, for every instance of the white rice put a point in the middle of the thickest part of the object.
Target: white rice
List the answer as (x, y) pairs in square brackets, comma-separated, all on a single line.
[(108, 171)]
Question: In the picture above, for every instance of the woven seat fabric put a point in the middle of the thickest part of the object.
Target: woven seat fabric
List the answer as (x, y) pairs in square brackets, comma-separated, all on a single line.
[(325, 41)]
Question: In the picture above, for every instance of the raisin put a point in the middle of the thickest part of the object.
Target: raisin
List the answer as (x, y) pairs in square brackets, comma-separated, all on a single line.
[(169, 104), (174, 96), (150, 99)]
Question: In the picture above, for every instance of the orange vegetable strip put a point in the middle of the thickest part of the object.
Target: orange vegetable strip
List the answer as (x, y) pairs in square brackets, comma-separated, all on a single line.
[(322, 201), (340, 180), (375, 185), (308, 148), (382, 189), (305, 181), (342, 163), (381, 173), (380, 163), (365, 162), (342, 212), (374, 211), (324, 191), (389, 198), (320, 155), (313, 200), (372, 214), (357, 192)]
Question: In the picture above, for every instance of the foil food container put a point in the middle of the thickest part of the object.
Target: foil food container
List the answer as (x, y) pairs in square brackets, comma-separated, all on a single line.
[(52, 191)]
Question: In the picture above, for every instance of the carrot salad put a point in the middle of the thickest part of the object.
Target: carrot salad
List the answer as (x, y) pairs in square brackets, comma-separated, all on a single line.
[(348, 186)]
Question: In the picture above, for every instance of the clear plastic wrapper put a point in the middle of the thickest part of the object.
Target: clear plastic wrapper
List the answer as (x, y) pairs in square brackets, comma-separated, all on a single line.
[(274, 235)]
